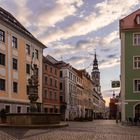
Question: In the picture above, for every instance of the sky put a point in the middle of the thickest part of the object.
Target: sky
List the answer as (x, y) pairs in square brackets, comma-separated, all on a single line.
[(73, 29)]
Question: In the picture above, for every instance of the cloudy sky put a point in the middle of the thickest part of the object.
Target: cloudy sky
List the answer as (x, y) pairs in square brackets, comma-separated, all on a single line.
[(73, 29)]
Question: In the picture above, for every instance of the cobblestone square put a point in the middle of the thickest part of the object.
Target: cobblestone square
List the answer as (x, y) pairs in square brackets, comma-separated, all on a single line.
[(96, 130)]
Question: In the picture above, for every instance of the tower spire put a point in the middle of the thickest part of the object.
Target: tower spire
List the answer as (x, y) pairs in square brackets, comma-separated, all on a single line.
[(95, 62)]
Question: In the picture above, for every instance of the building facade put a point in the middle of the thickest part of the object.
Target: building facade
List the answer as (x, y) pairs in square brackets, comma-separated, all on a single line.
[(113, 107), (51, 85), (68, 91), (18, 48), (130, 65)]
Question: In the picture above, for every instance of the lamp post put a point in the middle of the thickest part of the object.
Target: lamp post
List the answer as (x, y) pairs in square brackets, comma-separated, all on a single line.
[(118, 103)]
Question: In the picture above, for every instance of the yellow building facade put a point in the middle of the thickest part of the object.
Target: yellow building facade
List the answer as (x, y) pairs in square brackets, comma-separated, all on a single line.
[(18, 48)]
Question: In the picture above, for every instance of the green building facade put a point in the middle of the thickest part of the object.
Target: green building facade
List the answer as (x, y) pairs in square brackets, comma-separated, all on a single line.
[(130, 66)]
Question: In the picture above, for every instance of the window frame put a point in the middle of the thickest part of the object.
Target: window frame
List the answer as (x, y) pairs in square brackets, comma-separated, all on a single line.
[(8, 106), (28, 68), (134, 91), (14, 42), (138, 19), (36, 54), (2, 36), (137, 39), (3, 59), (20, 108), (137, 61), (45, 93), (15, 87), (28, 49), (3, 87), (15, 65)]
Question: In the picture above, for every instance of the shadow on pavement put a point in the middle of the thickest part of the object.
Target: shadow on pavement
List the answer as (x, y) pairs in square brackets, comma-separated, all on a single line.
[(17, 134)]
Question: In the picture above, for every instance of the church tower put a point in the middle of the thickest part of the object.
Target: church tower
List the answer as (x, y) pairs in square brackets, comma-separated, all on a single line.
[(96, 74)]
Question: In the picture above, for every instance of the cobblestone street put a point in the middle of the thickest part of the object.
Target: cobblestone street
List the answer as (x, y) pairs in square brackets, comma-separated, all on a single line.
[(96, 130)]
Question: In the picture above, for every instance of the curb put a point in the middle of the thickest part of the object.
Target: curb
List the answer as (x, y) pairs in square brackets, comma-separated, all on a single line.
[(35, 126)]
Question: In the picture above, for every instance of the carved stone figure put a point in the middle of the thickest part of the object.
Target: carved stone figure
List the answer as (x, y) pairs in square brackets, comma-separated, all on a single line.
[(33, 88)]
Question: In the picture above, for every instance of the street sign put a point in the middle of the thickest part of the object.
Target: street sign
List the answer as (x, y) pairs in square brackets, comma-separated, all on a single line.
[(115, 84)]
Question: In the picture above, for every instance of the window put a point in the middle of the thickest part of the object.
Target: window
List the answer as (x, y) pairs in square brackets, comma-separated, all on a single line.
[(61, 98), (2, 84), (28, 49), (136, 39), (7, 108), (50, 81), (138, 19), (14, 42), (2, 59), (27, 90), (55, 110), (136, 62), (61, 74), (50, 69), (136, 85), (51, 110), (51, 95), (55, 96), (55, 71), (45, 94), (55, 83), (46, 80), (18, 109), (46, 110), (36, 54), (2, 36), (28, 109), (15, 87), (60, 86), (28, 68), (15, 64), (46, 66)]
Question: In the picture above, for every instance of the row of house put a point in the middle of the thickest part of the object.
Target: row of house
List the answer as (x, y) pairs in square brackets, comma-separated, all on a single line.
[(62, 88), (80, 94)]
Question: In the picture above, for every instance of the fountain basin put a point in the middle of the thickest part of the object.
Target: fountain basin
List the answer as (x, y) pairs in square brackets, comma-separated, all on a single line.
[(32, 119)]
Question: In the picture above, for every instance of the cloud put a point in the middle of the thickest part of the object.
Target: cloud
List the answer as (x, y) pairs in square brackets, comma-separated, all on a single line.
[(104, 16), (18, 9), (81, 54), (58, 13), (109, 63)]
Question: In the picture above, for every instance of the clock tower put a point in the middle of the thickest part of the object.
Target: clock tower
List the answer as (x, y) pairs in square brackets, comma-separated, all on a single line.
[(96, 74)]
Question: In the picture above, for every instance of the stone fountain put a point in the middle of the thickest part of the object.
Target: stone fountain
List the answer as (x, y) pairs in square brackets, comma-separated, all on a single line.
[(33, 118)]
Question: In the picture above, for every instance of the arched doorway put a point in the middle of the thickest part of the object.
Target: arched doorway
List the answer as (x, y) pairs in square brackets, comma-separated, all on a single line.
[(137, 111)]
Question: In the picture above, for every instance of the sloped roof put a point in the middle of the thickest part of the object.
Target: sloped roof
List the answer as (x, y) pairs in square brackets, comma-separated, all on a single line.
[(11, 20), (128, 22)]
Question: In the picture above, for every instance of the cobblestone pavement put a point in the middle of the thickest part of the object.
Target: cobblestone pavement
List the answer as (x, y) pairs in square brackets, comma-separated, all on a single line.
[(96, 130)]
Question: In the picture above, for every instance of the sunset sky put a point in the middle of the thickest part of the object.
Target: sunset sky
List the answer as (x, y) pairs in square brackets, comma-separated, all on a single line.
[(73, 29)]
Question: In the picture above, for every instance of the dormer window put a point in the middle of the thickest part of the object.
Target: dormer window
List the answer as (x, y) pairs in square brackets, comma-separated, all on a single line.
[(138, 19)]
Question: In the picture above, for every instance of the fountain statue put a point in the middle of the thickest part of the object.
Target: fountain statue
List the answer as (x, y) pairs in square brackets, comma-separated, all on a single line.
[(33, 88)]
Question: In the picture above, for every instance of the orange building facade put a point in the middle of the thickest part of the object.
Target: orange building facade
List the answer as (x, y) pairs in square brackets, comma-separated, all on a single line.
[(51, 86), (17, 48)]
